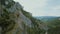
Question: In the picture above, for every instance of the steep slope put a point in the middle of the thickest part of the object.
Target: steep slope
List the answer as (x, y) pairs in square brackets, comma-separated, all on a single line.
[(14, 20), (13, 12)]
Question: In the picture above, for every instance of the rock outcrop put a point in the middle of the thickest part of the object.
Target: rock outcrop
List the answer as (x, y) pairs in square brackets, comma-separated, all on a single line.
[(14, 21)]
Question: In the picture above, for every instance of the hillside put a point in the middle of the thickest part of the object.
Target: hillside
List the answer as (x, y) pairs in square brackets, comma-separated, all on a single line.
[(15, 20), (52, 22)]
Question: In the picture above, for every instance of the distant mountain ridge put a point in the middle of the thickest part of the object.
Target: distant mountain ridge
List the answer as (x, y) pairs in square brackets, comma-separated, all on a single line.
[(46, 18)]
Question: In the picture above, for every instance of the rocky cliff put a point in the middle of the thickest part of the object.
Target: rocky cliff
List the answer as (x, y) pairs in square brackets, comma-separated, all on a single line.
[(14, 20)]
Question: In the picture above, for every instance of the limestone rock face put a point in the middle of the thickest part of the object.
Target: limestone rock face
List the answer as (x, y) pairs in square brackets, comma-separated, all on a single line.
[(14, 14), (14, 20)]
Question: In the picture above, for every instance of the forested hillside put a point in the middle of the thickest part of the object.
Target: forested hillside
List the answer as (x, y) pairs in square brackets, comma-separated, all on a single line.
[(52, 22)]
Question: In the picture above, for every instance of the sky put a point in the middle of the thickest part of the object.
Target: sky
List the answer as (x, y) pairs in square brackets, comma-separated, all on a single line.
[(41, 7)]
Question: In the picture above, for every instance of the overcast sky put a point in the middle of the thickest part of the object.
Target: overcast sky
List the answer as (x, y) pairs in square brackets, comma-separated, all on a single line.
[(41, 7)]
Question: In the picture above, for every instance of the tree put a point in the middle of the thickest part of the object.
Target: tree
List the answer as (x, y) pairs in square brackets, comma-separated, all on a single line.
[(55, 26)]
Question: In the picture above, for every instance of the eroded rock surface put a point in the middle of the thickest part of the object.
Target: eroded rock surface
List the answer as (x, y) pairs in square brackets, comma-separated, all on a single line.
[(15, 14)]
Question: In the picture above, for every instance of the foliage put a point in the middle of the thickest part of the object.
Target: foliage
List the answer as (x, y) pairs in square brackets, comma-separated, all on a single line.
[(6, 22), (35, 29), (54, 26)]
